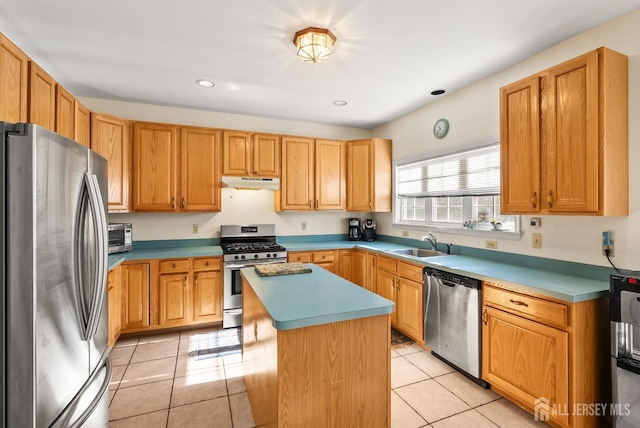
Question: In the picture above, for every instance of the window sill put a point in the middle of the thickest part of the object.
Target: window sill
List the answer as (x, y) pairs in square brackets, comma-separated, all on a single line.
[(492, 234)]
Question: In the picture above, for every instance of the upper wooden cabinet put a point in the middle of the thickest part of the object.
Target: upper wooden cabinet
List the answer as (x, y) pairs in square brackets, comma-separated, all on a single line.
[(297, 184), (110, 139), (330, 175), (200, 169), (14, 82), (155, 167), (166, 181), (42, 97), (246, 154), (369, 175), (564, 138), (82, 124), (65, 113)]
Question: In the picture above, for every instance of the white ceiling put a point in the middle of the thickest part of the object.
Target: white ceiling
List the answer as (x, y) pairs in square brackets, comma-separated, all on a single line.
[(388, 57)]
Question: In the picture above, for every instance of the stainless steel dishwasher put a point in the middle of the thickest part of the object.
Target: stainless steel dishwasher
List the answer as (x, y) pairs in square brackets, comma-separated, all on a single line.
[(452, 327)]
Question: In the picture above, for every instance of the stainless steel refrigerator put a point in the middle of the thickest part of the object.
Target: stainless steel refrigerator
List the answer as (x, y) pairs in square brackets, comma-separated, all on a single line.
[(55, 358)]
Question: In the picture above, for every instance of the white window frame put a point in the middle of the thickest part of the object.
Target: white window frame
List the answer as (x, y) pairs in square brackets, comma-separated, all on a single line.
[(482, 230)]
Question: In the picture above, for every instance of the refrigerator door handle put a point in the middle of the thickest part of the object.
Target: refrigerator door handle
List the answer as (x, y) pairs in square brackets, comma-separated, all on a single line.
[(62, 421), (91, 201), (100, 225)]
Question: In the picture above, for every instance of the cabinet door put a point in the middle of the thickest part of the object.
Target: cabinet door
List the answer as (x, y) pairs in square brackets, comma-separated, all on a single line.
[(359, 269), (386, 287), (14, 82), (154, 167), (200, 172), (173, 299), (266, 155), (346, 264), (572, 136), (371, 275), (65, 113), (331, 175), (297, 185), (114, 301), (526, 359), (110, 139), (410, 312), (82, 121), (135, 296), (369, 175), (236, 153), (520, 146), (42, 97), (207, 296)]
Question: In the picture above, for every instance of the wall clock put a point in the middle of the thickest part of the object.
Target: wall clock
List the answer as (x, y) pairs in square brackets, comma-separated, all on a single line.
[(440, 128)]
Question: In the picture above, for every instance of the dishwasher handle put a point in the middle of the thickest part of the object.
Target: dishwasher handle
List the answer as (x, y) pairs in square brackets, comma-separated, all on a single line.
[(452, 279)]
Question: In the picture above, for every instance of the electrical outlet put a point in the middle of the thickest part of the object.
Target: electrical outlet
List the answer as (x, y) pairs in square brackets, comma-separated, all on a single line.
[(405, 233), (491, 244), (196, 229), (303, 225), (611, 248), (536, 240)]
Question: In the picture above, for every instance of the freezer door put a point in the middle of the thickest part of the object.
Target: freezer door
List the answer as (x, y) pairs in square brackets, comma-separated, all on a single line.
[(48, 360)]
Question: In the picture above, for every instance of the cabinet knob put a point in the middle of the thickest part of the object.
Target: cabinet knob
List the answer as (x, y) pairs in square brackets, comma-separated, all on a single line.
[(534, 199), (550, 199), (173, 265), (484, 316), (173, 203), (186, 282), (519, 303), (206, 263), (184, 203)]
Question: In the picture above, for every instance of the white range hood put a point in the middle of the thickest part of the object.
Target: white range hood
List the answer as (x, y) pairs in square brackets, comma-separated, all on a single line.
[(255, 183)]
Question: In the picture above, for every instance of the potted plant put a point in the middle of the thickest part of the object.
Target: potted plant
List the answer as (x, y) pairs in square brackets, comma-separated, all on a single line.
[(496, 224)]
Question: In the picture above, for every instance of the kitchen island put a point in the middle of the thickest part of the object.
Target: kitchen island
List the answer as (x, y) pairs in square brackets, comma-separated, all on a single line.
[(316, 351)]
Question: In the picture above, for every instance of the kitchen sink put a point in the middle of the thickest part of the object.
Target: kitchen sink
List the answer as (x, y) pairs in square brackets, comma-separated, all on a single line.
[(416, 252)]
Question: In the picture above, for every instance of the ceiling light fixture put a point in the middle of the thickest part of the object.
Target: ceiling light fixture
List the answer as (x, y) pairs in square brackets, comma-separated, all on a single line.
[(205, 83), (314, 44), (437, 92), (340, 103)]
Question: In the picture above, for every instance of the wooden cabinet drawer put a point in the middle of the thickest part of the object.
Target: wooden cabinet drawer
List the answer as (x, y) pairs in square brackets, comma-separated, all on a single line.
[(212, 263), (322, 256), (535, 308), (411, 272), (181, 265), (299, 257), (387, 264)]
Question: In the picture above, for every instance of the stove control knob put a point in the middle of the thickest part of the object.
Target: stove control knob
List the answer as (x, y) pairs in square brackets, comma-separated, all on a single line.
[(256, 256), (242, 257), (236, 257), (268, 255), (274, 255)]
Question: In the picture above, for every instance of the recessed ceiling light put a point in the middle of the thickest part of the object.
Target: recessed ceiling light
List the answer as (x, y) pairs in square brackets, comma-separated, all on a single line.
[(437, 92), (340, 103), (205, 83)]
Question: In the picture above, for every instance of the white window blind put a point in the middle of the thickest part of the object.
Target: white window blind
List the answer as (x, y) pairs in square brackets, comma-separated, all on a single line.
[(473, 172)]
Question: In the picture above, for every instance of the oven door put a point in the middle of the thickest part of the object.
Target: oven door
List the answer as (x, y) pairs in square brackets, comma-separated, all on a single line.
[(232, 297)]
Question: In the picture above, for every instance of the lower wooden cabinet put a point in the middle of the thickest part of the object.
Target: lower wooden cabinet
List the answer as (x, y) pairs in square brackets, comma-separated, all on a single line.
[(402, 284), (326, 259), (353, 264), (190, 291), (547, 355), (135, 296), (114, 302)]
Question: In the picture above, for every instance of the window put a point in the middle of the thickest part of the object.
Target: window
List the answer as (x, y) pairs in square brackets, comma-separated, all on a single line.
[(460, 190)]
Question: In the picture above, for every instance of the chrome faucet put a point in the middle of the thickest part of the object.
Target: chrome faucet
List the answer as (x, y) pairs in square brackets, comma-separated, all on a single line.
[(432, 240)]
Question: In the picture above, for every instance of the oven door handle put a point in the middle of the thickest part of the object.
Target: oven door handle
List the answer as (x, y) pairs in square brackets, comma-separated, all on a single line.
[(236, 266), (251, 264)]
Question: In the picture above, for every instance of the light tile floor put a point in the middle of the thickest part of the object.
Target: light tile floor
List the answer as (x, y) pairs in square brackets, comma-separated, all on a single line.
[(156, 383)]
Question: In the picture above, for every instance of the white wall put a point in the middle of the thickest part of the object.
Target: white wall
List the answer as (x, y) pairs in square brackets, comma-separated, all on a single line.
[(473, 114), (238, 206)]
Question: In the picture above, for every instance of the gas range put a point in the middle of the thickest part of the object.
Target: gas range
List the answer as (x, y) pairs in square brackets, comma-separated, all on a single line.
[(244, 246), (250, 242)]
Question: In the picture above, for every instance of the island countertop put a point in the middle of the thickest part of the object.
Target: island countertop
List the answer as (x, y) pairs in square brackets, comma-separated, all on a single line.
[(318, 297)]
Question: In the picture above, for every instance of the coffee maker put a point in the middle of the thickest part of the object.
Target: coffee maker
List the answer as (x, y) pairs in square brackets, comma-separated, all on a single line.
[(369, 230), (354, 229)]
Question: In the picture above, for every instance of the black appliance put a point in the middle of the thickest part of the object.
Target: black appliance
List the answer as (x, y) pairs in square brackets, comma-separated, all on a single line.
[(369, 230), (244, 246), (625, 350), (355, 233)]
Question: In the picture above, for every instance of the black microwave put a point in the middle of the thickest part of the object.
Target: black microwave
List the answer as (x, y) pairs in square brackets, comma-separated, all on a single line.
[(120, 237)]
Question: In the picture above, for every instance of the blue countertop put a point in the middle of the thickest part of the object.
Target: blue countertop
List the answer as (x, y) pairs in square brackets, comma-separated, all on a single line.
[(319, 297), (537, 280)]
